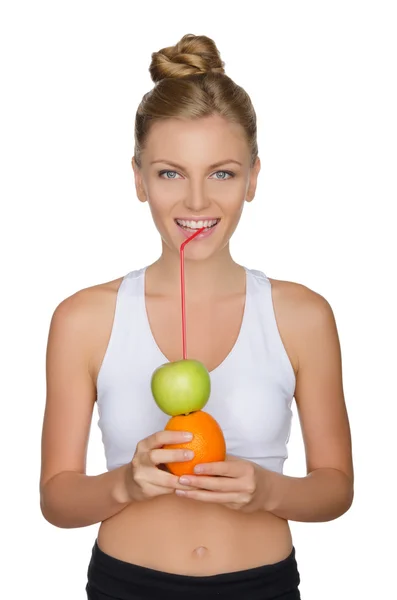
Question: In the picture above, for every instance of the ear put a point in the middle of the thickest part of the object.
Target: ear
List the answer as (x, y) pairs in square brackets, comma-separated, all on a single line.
[(251, 189), (139, 187)]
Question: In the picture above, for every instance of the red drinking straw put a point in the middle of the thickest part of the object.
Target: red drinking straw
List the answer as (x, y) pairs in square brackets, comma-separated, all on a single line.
[(183, 290)]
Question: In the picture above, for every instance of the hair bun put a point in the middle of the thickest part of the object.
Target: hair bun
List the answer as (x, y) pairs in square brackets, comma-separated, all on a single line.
[(192, 55)]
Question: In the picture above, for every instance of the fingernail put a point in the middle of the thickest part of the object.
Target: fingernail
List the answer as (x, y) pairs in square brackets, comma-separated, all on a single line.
[(187, 435), (184, 480), (188, 454), (198, 469)]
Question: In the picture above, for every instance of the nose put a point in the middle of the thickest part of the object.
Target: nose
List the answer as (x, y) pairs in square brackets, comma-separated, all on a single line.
[(197, 199)]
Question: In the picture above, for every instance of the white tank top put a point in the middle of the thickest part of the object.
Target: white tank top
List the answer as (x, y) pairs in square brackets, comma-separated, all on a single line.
[(251, 390)]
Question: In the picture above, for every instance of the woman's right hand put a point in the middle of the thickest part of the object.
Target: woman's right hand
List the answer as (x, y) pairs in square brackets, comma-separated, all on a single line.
[(144, 478)]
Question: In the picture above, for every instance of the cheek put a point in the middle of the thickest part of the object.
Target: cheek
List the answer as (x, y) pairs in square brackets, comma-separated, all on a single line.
[(161, 199), (231, 199), (161, 192), (234, 190), (157, 214)]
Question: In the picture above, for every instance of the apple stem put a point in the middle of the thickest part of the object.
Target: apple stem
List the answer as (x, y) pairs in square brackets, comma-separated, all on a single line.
[(183, 299)]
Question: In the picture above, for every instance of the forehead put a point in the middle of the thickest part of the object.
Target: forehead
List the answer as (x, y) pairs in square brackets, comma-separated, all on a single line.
[(206, 139)]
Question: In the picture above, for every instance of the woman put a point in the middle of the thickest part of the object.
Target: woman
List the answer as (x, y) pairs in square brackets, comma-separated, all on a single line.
[(223, 533)]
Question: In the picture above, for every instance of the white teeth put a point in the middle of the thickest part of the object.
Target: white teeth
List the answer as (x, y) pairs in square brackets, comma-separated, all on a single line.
[(196, 224)]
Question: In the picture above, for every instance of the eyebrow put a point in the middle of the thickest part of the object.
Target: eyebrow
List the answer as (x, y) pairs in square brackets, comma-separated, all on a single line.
[(213, 166)]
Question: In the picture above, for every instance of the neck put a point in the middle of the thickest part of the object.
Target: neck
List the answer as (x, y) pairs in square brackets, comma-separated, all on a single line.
[(216, 276)]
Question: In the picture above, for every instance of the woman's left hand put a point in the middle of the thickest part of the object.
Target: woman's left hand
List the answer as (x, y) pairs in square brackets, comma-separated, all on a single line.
[(234, 482)]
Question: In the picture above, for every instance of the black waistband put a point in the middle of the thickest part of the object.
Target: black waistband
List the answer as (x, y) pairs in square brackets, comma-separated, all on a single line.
[(127, 581)]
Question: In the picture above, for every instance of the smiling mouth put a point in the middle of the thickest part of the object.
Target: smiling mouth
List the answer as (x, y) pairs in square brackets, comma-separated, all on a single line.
[(195, 225)]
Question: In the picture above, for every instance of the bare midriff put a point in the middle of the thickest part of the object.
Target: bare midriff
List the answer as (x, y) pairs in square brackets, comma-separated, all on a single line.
[(190, 537)]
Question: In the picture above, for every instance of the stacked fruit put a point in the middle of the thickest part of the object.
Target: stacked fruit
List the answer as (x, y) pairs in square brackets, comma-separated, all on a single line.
[(181, 389)]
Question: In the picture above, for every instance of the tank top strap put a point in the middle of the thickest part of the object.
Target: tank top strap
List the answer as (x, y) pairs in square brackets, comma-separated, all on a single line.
[(128, 312), (262, 320), (127, 331)]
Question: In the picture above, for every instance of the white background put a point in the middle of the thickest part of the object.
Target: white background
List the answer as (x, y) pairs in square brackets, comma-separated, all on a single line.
[(322, 77)]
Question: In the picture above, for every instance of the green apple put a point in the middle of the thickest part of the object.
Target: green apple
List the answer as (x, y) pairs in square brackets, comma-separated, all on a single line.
[(181, 387)]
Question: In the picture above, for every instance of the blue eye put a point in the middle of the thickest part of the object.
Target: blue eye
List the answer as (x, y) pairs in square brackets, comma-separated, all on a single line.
[(219, 178), (226, 172), (162, 172)]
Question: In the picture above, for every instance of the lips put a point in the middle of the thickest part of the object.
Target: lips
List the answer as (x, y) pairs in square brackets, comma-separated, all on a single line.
[(187, 232), (195, 224)]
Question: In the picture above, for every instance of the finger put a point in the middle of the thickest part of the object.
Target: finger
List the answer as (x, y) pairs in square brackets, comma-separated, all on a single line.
[(151, 490), (224, 468), (162, 456), (160, 438), (206, 496), (232, 457), (170, 481), (215, 484)]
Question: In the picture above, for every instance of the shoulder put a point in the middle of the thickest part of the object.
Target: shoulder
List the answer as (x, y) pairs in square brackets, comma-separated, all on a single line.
[(83, 305), (301, 300), (83, 320), (300, 312)]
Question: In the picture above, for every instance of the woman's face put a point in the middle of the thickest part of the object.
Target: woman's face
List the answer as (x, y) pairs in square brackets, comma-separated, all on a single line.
[(196, 169)]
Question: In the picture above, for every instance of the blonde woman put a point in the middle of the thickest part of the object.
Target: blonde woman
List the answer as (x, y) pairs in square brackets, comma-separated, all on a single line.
[(223, 533)]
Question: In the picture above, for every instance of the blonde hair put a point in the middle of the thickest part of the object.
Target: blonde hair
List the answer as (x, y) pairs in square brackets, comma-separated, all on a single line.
[(190, 83)]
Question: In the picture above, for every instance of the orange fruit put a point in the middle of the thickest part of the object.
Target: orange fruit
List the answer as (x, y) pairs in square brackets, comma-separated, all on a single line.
[(208, 443)]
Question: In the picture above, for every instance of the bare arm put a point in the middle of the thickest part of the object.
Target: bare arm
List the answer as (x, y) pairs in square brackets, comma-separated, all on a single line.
[(327, 491), (72, 499), (69, 497)]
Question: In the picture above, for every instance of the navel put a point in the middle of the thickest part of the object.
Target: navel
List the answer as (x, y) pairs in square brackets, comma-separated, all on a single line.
[(200, 551)]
